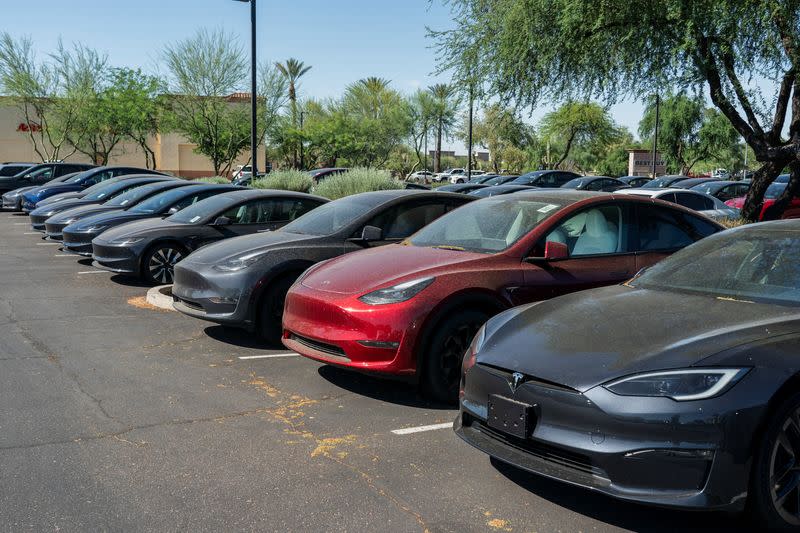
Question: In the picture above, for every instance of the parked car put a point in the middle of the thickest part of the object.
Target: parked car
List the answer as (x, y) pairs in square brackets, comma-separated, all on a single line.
[(463, 188), (545, 178), (10, 168), (13, 199), (723, 190), (447, 174), (131, 192), (96, 194), (720, 174), (37, 175), (149, 249), (466, 176), (678, 388), (85, 180), (242, 171), (420, 176), (482, 178), (165, 201), (322, 173), (243, 281), (664, 182), (772, 193), (417, 186), (691, 182), (500, 180), (411, 311), (702, 203), (595, 183), (496, 190), (634, 181)]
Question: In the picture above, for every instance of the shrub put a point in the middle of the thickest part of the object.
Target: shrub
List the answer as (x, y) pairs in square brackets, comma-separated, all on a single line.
[(355, 181), (732, 222), (214, 179), (287, 180)]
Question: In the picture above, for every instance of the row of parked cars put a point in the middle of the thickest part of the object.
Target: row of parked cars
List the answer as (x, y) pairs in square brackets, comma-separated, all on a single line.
[(614, 341)]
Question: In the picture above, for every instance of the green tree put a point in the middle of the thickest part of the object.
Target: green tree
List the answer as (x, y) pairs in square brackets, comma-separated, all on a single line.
[(445, 110), (527, 51), (204, 69), (581, 125), (421, 115), (505, 135), (292, 70)]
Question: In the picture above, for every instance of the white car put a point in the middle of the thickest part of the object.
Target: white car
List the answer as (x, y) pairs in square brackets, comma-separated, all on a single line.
[(449, 173), (703, 203), (420, 176), (463, 178), (241, 171)]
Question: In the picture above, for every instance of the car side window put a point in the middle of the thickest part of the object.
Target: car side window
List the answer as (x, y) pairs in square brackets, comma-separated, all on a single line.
[(693, 201), (595, 185), (252, 212), (561, 178), (186, 202), (664, 229), (402, 220), (594, 231), (289, 209)]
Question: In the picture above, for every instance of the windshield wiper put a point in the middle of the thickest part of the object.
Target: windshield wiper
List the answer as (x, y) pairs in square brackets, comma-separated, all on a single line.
[(449, 247)]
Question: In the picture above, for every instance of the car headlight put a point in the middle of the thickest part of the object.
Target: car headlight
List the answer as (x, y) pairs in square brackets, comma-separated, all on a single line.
[(397, 293), (126, 241), (240, 262), (97, 228), (680, 385)]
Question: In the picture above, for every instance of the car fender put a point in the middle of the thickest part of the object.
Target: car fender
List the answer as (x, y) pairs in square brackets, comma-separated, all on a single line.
[(294, 265)]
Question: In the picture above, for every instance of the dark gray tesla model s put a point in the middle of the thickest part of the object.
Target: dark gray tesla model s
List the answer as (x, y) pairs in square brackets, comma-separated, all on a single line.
[(678, 388)]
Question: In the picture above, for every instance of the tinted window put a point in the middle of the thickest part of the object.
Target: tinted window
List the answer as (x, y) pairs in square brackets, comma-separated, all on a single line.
[(11, 170), (598, 230), (253, 212), (333, 216), (201, 211), (402, 220), (665, 229), (596, 185), (40, 173), (694, 201)]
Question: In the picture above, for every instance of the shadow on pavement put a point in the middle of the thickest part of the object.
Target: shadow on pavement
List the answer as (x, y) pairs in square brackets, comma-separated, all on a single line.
[(396, 392), (240, 337), (620, 513), (128, 281)]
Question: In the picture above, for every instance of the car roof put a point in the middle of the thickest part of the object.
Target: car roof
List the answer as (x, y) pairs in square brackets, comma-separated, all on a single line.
[(562, 195), (247, 194), (789, 224)]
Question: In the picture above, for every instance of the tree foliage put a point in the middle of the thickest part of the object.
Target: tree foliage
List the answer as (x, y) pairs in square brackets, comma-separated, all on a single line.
[(506, 137), (529, 51), (585, 126)]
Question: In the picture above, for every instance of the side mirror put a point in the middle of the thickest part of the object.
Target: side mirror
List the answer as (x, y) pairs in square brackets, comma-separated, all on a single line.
[(553, 251), (172, 211), (222, 221), (371, 233)]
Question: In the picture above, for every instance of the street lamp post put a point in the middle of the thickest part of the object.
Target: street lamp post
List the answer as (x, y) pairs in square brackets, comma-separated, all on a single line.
[(253, 90), (469, 135), (655, 136)]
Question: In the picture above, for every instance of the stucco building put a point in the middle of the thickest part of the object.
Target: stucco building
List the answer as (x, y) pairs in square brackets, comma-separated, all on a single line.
[(640, 163)]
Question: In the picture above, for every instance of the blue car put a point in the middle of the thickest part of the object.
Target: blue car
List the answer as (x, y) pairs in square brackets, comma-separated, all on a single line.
[(77, 183)]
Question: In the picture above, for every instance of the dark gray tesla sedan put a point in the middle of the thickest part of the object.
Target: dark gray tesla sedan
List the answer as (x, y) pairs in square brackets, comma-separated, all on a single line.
[(150, 248), (243, 282), (678, 388)]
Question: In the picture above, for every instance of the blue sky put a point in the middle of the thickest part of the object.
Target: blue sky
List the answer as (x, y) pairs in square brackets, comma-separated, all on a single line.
[(343, 40)]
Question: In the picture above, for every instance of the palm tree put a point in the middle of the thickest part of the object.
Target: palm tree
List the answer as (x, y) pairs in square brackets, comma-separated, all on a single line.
[(445, 109), (293, 69), (370, 97)]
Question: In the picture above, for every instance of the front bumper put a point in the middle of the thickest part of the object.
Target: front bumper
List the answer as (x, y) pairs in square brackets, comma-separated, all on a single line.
[(339, 330), (38, 222), (54, 232), (78, 243), (222, 298), (649, 450), (12, 202), (120, 259)]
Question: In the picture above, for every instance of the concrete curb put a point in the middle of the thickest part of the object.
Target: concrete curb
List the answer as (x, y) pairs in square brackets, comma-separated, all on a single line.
[(160, 297)]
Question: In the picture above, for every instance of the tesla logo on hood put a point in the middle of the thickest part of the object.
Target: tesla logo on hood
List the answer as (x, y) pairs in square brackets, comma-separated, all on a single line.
[(516, 380)]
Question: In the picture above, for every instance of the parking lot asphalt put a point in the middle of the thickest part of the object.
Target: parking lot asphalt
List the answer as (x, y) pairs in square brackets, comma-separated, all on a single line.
[(118, 416)]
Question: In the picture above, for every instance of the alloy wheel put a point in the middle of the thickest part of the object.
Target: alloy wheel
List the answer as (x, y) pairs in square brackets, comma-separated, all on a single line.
[(162, 263), (784, 473), (453, 348)]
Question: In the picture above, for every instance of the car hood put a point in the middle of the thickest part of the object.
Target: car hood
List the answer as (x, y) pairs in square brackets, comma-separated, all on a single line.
[(588, 338), (59, 206), (80, 212), (115, 217), (56, 189), (62, 196), (17, 192), (257, 242), (136, 228), (375, 267)]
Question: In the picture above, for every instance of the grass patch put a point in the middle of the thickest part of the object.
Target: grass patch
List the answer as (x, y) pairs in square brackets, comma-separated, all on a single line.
[(286, 180), (213, 179), (732, 222), (356, 181)]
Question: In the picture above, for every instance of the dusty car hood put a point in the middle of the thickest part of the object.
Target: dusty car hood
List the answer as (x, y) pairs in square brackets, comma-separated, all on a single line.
[(139, 227), (80, 211), (374, 267), (588, 338), (109, 217), (257, 242)]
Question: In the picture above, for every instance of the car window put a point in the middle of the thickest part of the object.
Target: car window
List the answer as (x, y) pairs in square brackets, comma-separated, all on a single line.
[(665, 229), (193, 199), (595, 185), (598, 230), (400, 221), (252, 212), (550, 179), (289, 209), (693, 201)]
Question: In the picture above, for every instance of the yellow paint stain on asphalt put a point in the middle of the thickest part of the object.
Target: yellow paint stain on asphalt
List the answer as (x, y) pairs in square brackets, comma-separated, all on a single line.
[(271, 391), (498, 523), (141, 303), (326, 446)]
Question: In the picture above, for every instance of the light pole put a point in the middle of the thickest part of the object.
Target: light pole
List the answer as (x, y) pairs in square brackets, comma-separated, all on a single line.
[(253, 90), (302, 143), (655, 136), (469, 136)]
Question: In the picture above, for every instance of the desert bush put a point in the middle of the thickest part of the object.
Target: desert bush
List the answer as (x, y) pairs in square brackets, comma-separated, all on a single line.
[(356, 181), (214, 179), (287, 180)]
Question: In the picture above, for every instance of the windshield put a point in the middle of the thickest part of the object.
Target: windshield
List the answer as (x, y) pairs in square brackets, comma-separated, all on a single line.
[(102, 192), (75, 178), (660, 183), (497, 180), (487, 226), (134, 195), (775, 190), (758, 266), (44, 171), (157, 203), (329, 218), (573, 184), (201, 211)]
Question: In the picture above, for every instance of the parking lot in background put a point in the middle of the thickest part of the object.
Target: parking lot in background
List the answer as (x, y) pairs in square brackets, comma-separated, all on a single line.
[(118, 416)]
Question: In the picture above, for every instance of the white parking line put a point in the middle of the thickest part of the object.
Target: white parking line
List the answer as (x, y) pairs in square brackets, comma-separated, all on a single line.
[(93, 272), (420, 429), (66, 255), (32, 233), (269, 356), (48, 244), (20, 223)]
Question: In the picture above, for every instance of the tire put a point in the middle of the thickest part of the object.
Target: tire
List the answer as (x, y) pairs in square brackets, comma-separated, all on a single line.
[(270, 309), (442, 357), (159, 262), (775, 505)]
